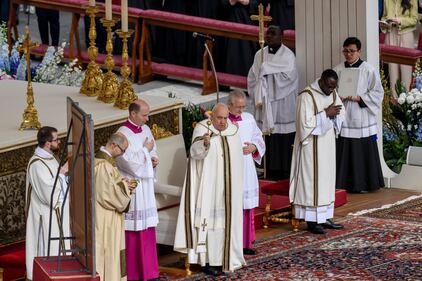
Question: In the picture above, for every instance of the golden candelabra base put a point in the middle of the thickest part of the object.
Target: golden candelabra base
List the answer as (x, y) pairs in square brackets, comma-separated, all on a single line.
[(110, 87), (30, 115), (126, 94), (93, 81)]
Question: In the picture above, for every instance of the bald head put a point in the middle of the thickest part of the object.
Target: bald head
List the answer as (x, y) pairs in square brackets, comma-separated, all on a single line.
[(139, 112), (220, 112), (117, 144)]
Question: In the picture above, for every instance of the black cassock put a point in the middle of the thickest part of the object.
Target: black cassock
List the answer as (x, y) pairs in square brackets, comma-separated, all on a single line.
[(282, 12), (204, 9), (172, 43), (239, 54)]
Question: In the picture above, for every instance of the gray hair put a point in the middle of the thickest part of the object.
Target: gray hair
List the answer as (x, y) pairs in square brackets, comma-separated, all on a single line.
[(218, 105), (117, 138), (236, 94)]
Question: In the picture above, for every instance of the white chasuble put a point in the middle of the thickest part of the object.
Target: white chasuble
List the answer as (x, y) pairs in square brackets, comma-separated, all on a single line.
[(136, 163), (249, 132), (41, 172), (313, 174), (112, 198), (361, 122), (273, 84), (210, 222)]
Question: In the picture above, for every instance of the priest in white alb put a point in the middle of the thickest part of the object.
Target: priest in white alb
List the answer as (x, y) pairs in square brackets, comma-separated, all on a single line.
[(112, 198), (138, 162), (319, 115), (209, 225), (273, 83), (40, 179), (253, 151)]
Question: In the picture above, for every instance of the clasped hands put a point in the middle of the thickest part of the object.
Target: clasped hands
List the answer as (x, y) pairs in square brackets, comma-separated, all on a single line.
[(150, 145), (243, 2), (131, 184), (249, 148), (333, 110)]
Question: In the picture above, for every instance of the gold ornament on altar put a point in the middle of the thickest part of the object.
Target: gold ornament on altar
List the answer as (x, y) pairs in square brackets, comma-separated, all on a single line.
[(93, 81), (30, 115), (110, 87), (126, 94), (261, 18)]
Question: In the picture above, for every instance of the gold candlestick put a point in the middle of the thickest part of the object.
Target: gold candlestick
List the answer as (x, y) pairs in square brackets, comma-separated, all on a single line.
[(30, 115), (93, 81), (126, 94), (110, 83)]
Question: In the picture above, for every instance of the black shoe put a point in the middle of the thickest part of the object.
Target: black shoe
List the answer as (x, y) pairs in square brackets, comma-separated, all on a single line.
[(247, 251), (154, 279), (331, 225), (212, 270), (315, 228)]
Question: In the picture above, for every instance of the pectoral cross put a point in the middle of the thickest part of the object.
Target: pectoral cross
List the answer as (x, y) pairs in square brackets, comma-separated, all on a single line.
[(261, 18), (204, 225)]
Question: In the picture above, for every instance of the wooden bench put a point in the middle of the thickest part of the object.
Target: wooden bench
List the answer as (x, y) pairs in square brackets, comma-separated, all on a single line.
[(194, 24)]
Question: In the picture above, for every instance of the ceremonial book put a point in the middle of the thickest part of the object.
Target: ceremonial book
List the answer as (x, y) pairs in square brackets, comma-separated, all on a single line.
[(348, 82)]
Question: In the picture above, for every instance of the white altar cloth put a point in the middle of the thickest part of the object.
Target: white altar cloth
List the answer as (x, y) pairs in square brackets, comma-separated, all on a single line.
[(50, 101)]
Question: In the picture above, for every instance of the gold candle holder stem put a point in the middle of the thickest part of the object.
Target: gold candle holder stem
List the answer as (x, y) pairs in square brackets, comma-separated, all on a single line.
[(126, 94), (93, 81), (110, 86), (30, 115)]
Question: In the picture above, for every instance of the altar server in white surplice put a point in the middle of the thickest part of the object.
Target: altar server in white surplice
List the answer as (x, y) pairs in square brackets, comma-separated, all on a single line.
[(253, 151), (358, 161), (41, 172), (319, 115), (209, 225), (138, 162), (273, 83)]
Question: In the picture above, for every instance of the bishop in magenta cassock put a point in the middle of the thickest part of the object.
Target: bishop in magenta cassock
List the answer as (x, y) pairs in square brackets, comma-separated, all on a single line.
[(253, 151), (138, 162)]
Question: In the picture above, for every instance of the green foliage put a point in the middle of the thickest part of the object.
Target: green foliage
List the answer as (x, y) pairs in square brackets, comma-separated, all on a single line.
[(191, 114)]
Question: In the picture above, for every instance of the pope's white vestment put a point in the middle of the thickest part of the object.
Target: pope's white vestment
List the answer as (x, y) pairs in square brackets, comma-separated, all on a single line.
[(313, 173), (209, 226), (41, 172)]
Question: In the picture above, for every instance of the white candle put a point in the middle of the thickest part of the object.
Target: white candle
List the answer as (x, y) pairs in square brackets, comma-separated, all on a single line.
[(124, 16), (108, 9), (91, 2)]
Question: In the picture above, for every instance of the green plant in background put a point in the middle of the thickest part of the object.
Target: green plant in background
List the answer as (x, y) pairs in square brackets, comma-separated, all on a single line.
[(191, 115), (401, 123)]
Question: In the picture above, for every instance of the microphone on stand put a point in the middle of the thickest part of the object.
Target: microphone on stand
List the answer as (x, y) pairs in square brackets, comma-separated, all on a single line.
[(202, 36)]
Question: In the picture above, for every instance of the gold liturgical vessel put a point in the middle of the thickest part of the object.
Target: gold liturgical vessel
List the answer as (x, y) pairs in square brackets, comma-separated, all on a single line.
[(30, 115), (126, 94), (93, 81), (110, 86)]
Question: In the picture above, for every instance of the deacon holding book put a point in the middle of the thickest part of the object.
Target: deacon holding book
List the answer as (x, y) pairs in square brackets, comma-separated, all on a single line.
[(358, 161), (209, 225)]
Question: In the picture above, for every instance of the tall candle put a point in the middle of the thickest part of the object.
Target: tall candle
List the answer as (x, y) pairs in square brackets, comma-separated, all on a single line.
[(124, 16), (108, 9), (91, 2)]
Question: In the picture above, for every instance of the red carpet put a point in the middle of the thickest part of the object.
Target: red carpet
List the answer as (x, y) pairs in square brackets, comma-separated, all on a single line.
[(45, 270), (12, 261), (282, 202)]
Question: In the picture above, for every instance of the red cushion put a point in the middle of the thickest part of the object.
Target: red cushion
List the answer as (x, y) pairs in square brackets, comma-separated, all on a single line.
[(277, 188), (289, 34), (13, 259), (401, 51), (202, 22)]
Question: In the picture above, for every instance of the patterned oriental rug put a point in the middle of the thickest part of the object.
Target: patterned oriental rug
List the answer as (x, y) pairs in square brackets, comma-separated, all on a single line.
[(367, 249), (407, 211)]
